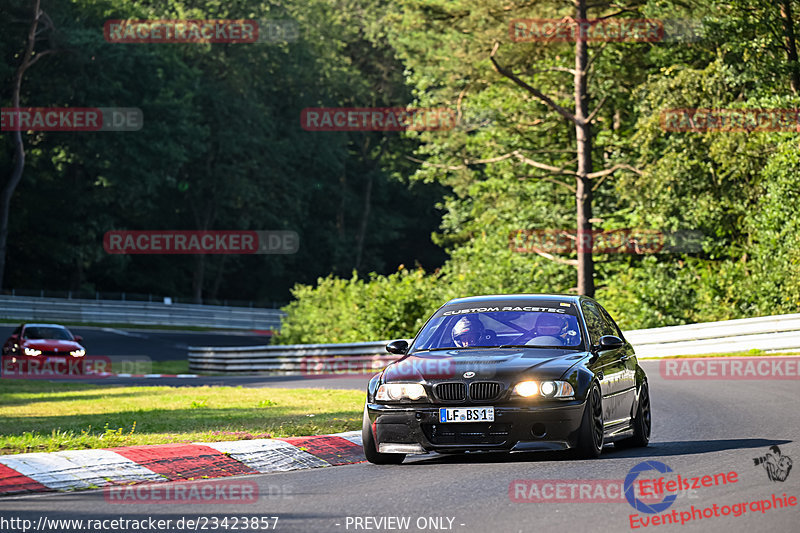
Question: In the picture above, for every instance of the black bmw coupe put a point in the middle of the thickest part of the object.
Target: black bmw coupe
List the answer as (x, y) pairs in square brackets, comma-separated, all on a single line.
[(509, 373)]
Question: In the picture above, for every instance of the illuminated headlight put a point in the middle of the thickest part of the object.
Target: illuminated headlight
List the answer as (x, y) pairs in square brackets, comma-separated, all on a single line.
[(526, 389), (32, 351), (77, 353), (400, 391), (548, 389)]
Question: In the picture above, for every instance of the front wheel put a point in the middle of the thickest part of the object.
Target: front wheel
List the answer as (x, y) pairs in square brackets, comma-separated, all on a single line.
[(371, 450), (590, 434), (641, 423)]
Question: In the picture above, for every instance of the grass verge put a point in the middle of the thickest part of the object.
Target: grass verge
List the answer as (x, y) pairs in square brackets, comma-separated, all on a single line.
[(170, 367), (43, 416)]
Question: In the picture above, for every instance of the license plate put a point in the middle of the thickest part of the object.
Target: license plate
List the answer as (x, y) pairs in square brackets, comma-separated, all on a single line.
[(466, 414)]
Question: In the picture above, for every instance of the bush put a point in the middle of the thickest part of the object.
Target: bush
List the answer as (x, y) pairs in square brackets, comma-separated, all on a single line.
[(355, 310)]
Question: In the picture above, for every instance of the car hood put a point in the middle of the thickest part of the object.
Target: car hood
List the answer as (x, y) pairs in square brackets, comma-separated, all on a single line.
[(501, 364), (51, 345)]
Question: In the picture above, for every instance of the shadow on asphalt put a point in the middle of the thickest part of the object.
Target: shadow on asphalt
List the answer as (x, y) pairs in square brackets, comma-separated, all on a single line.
[(655, 449)]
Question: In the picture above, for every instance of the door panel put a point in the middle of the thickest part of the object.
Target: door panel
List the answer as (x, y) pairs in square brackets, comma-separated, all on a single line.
[(609, 362), (627, 384)]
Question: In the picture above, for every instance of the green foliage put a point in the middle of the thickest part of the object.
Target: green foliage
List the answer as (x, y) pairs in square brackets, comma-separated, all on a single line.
[(740, 190), (354, 310), (222, 150)]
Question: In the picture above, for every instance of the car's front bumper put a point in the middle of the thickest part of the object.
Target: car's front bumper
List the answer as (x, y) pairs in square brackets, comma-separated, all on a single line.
[(416, 428)]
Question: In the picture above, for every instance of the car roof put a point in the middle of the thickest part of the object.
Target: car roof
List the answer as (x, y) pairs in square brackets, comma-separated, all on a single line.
[(37, 325), (566, 298)]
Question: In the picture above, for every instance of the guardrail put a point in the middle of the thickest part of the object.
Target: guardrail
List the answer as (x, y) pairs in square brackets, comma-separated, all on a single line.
[(778, 333), (358, 357), (770, 334), (28, 309)]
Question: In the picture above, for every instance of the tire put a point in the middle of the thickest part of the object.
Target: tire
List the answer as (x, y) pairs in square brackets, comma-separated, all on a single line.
[(371, 451), (642, 423), (590, 434)]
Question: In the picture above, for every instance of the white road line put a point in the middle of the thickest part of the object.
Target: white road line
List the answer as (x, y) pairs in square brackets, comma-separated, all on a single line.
[(124, 333)]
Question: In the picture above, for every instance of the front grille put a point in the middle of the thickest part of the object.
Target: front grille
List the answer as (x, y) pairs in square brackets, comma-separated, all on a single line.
[(450, 392), (467, 433), (484, 390)]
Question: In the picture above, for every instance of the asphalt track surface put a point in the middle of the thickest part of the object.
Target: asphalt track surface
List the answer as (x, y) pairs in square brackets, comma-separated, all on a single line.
[(699, 428), (344, 381), (158, 345), (166, 345)]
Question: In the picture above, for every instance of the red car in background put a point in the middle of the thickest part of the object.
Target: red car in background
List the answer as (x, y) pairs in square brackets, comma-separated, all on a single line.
[(44, 339)]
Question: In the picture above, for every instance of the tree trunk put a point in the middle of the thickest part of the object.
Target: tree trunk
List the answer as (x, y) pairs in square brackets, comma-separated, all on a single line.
[(204, 215), (340, 221), (362, 230), (371, 164), (8, 192), (791, 44), (583, 132), (19, 148)]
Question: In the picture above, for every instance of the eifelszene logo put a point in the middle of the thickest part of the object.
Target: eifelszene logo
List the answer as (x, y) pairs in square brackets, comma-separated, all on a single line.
[(638, 504)]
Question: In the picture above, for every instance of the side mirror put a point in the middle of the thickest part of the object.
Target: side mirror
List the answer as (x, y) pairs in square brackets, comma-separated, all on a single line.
[(78, 338), (398, 347), (610, 342)]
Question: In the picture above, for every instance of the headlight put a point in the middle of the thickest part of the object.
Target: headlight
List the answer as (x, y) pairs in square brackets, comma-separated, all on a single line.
[(77, 353), (526, 389), (400, 391), (548, 389), (32, 351), (557, 389)]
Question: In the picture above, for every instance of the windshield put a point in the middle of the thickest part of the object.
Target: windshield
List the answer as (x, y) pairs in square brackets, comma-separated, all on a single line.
[(50, 333), (543, 327)]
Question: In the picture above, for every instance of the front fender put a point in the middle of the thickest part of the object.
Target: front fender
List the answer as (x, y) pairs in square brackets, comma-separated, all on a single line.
[(581, 379), (641, 377), (372, 386)]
